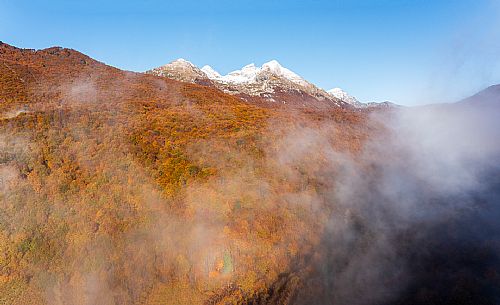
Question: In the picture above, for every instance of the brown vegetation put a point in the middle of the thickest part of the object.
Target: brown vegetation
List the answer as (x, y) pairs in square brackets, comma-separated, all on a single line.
[(128, 188)]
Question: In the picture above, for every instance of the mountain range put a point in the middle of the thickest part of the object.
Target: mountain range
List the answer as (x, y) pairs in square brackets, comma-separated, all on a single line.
[(271, 84)]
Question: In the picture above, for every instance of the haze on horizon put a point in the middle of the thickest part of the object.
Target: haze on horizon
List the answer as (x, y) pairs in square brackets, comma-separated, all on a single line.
[(409, 52)]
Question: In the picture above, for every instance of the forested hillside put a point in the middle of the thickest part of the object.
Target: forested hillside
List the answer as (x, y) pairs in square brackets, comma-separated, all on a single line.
[(127, 188)]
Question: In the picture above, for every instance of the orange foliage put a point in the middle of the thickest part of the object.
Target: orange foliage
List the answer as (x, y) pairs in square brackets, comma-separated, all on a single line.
[(148, 186)]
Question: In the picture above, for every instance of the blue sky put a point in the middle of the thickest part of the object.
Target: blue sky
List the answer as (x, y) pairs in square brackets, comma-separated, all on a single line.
[(407, 51)]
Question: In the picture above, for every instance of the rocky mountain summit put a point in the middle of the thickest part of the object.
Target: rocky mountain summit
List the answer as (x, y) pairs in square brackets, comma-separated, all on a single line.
[(271, 84), (346, 97)]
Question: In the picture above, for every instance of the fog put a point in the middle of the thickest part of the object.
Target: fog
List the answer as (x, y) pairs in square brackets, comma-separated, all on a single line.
[(414, 218)]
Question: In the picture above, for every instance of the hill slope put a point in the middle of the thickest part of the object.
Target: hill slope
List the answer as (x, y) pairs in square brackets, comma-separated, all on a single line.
[(130, 188), (489, 97)]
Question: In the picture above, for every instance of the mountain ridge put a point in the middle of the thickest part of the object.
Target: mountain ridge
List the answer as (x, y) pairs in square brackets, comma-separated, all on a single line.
[(489, 97), (271, 83)]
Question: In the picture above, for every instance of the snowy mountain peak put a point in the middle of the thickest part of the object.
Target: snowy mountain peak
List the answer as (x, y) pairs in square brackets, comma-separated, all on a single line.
[(271, 82), (249, 67), (273, 66), (344, 96), (247, 74), (249, 70), (179, 69), (181, 62), (210, 72), (250, 73), (338, 92)]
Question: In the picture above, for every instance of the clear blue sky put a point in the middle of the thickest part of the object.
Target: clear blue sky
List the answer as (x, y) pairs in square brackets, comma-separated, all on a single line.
[(407, 51)]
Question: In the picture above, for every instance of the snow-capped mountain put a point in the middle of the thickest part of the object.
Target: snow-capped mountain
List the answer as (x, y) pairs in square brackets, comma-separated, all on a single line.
[(351, 100), (251, 74), (181, 70), (210, 72), (270, 83), (344, 96)]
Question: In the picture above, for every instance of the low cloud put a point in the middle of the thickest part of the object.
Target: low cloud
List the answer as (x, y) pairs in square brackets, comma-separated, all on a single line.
[(433, 169)]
